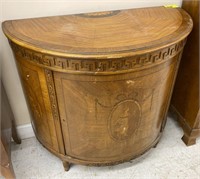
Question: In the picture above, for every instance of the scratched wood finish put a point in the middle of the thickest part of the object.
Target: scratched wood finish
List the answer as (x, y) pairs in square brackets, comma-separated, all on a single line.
[(99, 84), (187, 83)]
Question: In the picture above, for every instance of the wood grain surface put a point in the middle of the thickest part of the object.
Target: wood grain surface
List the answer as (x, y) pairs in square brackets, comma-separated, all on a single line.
[(186, 98), (99, 84), (126, 32)]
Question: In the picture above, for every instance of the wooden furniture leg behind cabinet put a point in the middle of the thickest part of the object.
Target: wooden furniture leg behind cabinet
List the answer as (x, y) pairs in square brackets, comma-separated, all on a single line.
[(8, 129), (186, 99)]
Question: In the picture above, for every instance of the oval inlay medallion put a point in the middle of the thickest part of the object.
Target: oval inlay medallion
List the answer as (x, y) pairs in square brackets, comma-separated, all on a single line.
[(124, 119)]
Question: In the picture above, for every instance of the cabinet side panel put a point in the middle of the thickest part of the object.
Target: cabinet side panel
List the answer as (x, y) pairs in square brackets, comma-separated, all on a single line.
[(37, 95)]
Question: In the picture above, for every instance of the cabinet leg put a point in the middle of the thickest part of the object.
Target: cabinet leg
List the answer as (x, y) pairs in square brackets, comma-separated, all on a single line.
[(66, 165), (188, 140), (155, 145), (14, 133), (7, 172)]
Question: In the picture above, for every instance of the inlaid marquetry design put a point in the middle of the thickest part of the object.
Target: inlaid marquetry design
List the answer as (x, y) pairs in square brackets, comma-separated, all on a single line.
[(31, 80), (52, 94), (36, 108), (31, 77), (106, 65), (125, 114), (124, 119)]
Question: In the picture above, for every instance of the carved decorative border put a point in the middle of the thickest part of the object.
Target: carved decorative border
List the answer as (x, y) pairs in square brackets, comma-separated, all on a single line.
[(98, 65), (52, 94)]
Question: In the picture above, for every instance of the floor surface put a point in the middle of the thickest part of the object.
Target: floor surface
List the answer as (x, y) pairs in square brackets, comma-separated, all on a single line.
[(171, 159)]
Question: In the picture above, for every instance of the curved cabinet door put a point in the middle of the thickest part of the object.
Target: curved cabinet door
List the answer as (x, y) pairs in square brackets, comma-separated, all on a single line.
[(37, 95), (109, 118)]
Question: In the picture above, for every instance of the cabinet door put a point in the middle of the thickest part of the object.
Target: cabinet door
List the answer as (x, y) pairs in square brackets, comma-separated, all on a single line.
[(37, 95), (110, 118)]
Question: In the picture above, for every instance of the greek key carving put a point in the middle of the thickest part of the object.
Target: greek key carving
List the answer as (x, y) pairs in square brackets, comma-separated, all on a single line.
[(52, 95), (104, 65), (109, 163)]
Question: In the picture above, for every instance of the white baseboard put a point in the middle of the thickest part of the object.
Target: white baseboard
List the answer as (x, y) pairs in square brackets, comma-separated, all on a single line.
[(25, 131)]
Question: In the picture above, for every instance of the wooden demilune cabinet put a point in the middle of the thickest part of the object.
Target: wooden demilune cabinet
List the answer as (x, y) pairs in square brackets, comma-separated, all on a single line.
[(99, 84)]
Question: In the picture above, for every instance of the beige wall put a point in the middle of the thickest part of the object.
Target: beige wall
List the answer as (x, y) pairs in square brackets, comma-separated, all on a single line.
[(16, 9)]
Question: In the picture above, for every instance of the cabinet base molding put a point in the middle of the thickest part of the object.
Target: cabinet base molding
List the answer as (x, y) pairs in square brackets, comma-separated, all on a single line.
[(190, 134), (68, 161)]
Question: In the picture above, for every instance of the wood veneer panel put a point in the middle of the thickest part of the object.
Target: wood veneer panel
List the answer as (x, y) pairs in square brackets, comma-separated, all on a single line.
[(106, 79)]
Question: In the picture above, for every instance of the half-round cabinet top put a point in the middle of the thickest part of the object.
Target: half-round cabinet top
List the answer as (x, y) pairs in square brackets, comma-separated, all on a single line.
[(109, 34), (98, 85)]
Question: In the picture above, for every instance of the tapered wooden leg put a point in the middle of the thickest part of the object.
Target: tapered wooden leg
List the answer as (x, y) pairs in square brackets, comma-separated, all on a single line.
[(14, 134), (7, 171), (155, 145), (188, 140), (66, 165)]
